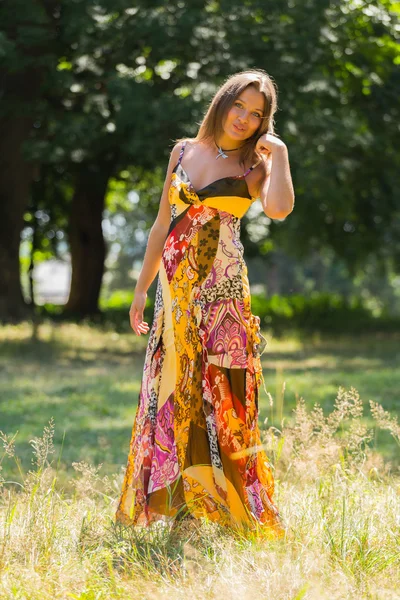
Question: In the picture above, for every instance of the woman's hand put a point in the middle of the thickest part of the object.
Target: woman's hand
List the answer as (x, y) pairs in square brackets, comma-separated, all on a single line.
[(136, 313), (267, 143), (276, 190)]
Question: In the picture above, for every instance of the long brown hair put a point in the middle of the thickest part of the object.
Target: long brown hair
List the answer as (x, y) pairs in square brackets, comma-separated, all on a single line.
[(211, 126)]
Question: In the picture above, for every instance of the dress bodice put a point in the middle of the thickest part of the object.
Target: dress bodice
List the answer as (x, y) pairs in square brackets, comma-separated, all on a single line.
[(228, 194)]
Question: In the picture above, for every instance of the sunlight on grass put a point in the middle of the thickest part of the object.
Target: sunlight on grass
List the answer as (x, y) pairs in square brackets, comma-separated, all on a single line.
[(89, 380), (339, 501), (334, 452)]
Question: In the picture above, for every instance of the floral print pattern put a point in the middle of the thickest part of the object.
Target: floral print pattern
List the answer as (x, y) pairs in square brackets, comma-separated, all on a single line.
[(195, 442)]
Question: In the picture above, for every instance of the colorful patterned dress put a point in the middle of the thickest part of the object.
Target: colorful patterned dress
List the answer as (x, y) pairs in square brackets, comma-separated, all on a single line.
[(195, 443)]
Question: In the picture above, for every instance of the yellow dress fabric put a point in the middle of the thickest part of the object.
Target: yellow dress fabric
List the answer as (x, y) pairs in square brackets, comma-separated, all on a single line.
[(195, 444)]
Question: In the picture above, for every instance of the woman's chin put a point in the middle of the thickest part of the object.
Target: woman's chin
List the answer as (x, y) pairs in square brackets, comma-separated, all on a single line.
[(234, 135)]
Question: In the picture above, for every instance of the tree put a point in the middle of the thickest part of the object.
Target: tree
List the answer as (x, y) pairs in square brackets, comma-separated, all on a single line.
[(25, 60), (96, 89), (119, 68)]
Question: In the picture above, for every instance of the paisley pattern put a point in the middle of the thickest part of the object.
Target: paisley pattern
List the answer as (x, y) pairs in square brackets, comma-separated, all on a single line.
[(195, 443)]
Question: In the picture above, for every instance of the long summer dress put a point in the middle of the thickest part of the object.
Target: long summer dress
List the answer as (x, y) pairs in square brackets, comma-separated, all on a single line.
[(195, 443)]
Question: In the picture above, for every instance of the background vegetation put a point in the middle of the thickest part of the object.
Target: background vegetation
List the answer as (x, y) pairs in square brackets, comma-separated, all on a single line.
[(94, 92), (65, 431)]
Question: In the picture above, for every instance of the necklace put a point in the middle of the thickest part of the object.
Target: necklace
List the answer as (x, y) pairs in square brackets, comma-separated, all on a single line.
[(222, 153)]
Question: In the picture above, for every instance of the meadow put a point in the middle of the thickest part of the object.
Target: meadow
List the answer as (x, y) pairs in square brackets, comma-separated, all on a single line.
[(328, 413)]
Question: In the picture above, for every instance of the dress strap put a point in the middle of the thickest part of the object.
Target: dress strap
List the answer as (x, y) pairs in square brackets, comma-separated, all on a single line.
[(181, 153), (252, 167)]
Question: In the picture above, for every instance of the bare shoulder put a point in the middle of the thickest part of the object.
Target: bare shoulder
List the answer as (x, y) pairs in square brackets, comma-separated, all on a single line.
[(180, 144), (175, 152)]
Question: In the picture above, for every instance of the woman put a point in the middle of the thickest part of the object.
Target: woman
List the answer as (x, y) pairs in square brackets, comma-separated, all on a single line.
[(195, 447)]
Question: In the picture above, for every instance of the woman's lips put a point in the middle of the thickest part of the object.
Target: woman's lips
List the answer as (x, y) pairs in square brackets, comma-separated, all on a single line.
[(239, 129)]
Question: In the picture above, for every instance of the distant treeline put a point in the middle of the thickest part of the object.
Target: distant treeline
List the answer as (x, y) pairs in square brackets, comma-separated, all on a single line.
[(93, 95)]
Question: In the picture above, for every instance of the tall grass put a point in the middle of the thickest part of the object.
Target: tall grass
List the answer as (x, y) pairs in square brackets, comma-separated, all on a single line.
[(339, 499)]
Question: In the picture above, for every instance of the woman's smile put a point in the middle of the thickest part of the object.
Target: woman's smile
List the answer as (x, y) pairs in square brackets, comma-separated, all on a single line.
[(239, 128)]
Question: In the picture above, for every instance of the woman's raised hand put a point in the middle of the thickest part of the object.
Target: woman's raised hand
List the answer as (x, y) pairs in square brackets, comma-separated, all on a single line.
[(136, 313), (269, 142)]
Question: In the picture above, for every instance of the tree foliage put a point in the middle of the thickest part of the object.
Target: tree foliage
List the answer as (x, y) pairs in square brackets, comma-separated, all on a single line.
[(103, 88)]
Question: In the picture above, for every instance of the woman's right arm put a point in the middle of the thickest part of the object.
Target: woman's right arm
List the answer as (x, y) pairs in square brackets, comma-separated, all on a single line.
[(155, 245)]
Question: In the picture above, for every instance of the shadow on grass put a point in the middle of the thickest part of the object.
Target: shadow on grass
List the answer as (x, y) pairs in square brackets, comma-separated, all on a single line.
[(90, 385), (53, 350)]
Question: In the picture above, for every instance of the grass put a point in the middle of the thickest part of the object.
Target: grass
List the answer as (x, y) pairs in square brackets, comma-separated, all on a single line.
[(315, 367), (68, 397), (89, 381)]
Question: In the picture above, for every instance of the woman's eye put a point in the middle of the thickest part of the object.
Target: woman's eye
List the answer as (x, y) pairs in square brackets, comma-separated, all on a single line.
[(240, 105)]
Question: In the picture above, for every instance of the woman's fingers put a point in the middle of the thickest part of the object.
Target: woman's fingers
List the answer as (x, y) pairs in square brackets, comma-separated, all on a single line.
[(136, 319), (143, 327), (138, 325)]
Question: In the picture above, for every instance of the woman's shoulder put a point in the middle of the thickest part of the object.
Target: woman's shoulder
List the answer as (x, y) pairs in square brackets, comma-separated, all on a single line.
[(178, 147), (182, 142), (185, 145)]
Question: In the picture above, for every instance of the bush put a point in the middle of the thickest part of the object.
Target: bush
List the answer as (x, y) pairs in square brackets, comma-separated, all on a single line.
[(323, 312), (318, 312)]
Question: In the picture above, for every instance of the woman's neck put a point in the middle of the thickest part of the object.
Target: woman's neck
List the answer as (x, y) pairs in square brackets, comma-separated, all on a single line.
[(227, 143)]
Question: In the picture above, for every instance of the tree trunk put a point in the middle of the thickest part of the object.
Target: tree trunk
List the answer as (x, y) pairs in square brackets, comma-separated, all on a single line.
[(86, 239), (20, 90), (15, 180)]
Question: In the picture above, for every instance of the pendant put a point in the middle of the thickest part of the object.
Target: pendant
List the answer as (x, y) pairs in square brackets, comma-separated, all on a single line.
[(221, 153)]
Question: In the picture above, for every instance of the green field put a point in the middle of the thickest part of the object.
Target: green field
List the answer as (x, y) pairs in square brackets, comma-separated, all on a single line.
[(340, 501), (89, 380)]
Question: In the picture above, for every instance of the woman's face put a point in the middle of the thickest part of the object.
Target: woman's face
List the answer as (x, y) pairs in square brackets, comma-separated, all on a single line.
[(245, 115)]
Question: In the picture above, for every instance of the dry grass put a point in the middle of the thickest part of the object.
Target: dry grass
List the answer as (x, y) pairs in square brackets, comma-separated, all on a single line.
[(339, 499)]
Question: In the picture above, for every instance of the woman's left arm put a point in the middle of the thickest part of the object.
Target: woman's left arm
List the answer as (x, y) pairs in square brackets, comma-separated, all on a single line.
[(276, 190)]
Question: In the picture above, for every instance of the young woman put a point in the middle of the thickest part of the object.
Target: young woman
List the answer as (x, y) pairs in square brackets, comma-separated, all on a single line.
[(195, 446)]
